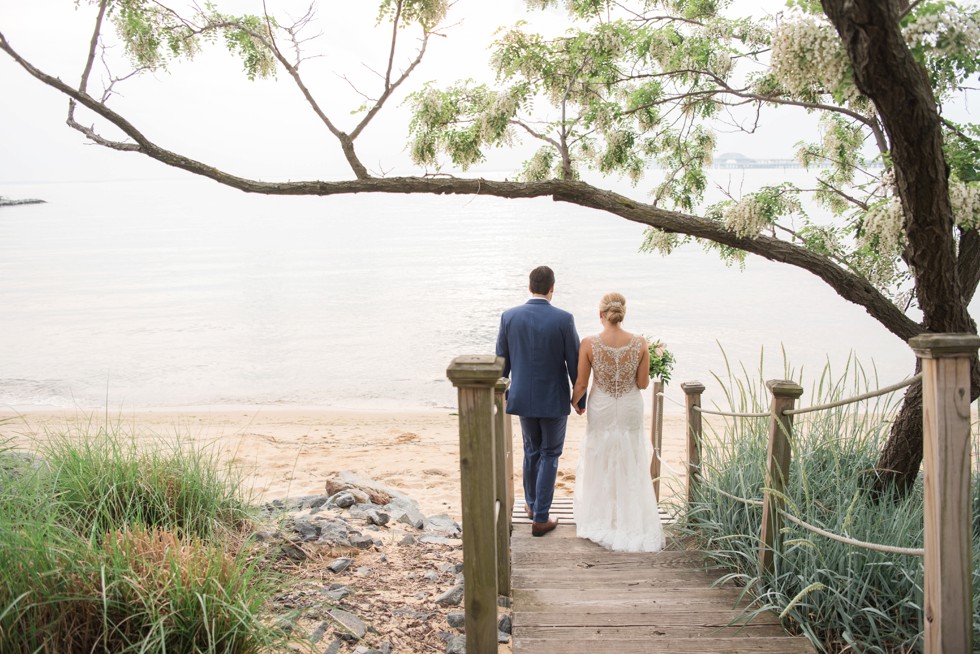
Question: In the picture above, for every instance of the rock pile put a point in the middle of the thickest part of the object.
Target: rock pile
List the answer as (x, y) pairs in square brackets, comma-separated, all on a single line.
[(373, 574)]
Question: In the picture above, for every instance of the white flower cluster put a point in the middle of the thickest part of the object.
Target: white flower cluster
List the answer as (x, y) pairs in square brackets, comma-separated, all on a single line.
[(884, 221), (807, 57), (657, 240), (745, 217), (965, 199), (949, 31)]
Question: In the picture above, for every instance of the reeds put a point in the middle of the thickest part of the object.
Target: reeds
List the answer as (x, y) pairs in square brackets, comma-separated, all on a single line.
[(110, 545), (843, 598)]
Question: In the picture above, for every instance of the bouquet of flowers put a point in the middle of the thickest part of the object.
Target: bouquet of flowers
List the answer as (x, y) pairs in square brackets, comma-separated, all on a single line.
[(661, 360)]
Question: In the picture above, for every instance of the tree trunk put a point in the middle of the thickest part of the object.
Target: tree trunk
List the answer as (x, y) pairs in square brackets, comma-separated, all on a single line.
[(887, 73)]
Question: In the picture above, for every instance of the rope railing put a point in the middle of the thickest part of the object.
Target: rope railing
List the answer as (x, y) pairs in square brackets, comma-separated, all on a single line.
[(857, 398), (877, 547), (947, 527)]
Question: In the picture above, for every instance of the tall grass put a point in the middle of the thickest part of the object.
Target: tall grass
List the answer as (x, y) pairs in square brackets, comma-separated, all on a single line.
[(110, 545), (841, 597)]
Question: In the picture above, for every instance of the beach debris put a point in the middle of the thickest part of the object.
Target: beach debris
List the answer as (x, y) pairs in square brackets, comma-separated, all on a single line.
[(350, 622), (336, 592), (452, 597), (340, 564)]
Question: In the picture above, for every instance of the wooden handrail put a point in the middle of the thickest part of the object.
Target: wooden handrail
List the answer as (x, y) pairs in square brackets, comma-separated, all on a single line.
[(947, 520), (487, 488)]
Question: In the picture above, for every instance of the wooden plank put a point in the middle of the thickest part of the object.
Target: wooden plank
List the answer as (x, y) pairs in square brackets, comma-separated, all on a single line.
[(636, 598), (664, 615), (652, 632), (587, 558), (501, 473), (667, 645)]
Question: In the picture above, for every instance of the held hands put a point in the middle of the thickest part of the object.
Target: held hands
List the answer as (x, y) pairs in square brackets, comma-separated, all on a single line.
[(578, 410)]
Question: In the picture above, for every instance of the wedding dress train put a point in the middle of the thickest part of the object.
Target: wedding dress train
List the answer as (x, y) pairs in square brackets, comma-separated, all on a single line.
[(614, 502)]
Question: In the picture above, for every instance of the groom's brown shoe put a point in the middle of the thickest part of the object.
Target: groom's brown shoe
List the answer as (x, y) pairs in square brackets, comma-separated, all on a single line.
[(542, 528)]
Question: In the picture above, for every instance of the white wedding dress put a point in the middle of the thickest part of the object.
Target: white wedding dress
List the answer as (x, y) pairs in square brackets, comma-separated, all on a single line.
[(614, 502)]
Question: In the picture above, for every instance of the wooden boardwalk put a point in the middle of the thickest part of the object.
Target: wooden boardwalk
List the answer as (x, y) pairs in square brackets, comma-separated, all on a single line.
[(574, 597)]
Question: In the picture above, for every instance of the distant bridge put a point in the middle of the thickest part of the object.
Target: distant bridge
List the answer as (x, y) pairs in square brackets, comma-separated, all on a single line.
[(739, 160), (732, 160)]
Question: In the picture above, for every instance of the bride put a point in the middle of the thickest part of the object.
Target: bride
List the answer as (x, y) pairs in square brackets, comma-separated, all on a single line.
[(614, 502)]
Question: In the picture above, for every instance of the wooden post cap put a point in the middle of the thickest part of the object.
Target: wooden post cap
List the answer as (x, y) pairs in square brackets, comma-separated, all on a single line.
[(784, 388), (502, 384), (475, 370), (692, 387), (941, 346)]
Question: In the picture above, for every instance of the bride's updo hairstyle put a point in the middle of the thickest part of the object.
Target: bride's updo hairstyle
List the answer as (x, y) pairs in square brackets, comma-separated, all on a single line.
[(613, 307)]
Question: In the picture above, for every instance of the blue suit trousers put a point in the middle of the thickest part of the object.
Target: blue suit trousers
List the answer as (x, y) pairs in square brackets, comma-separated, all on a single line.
[(544, 439)]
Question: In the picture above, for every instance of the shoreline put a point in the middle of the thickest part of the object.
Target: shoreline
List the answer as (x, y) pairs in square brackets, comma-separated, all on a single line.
[(290, 452)]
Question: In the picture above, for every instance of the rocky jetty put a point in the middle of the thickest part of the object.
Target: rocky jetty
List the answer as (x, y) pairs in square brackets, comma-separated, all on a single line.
[(9, 202), (371, 573)]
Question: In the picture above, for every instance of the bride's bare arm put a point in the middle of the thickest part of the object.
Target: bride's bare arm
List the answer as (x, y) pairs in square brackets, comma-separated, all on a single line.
[(584, 370), (643, 370)]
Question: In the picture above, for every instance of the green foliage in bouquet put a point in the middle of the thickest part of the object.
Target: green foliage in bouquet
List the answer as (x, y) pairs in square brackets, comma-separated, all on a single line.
[(661, 361)]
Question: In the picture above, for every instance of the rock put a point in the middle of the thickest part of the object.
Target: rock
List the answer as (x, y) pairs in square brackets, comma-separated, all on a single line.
[(343, 499), (387, 648), (334, 532), (437, 540), (361, 542), (265, 536), (364, 649), (502, 637), (339, 565), (431, 576), (334, 647), (318, 632), (408, 539), (451, 597), (336, 592), (456, 619), (304, 529), (350, 622), (293, 551), (379, 518), (451, 567), (444, 526), (363, 571), (455, 644), (405, 509), (504, 624)]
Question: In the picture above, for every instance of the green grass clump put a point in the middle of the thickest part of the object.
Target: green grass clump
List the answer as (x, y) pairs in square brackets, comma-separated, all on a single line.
[(109, 545), (841, 597)]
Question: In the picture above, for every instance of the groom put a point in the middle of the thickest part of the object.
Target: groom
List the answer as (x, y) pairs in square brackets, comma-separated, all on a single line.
[(539, 345)]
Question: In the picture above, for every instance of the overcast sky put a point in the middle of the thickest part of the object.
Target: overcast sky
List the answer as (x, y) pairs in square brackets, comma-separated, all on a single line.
[(206, 109)]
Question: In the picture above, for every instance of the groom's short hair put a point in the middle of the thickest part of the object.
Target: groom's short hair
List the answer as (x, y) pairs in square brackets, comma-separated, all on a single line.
[(542, 280)]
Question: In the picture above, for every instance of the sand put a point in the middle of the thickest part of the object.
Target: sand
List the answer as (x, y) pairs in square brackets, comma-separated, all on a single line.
[(288, 452)]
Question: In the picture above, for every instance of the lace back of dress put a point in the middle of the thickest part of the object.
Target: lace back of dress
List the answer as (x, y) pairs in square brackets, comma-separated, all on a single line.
[(615, 367)]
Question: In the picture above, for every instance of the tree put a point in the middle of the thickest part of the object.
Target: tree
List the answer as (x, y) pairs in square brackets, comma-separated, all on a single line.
[(631, 87)]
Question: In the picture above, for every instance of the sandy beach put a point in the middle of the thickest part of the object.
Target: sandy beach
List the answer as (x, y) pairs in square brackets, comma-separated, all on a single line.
[(288, 452)]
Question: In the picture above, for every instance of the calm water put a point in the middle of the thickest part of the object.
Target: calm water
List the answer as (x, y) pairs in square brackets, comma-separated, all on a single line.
[(183, 293)]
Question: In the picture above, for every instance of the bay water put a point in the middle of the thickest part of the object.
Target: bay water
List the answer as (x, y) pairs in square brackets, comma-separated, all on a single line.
[(179, 292)]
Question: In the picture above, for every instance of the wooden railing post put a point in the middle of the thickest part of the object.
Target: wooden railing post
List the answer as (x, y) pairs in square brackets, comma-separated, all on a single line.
[(475, 377), (784, 396), (692, 391), (657, 434), (504, 483), (948, 575)]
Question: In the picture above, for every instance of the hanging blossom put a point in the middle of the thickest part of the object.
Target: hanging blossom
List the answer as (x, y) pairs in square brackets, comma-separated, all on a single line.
[(745, 217), (657, 240), (965, 199), (949, 30), (807, 56), (883, 228)]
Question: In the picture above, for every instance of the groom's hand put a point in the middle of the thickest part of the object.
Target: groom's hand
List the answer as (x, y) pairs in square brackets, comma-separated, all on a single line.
[(578, 410)]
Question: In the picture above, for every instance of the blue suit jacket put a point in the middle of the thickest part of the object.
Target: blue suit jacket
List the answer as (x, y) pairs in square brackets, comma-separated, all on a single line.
[(539, 345)]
